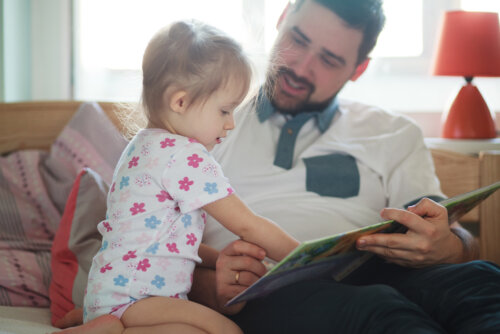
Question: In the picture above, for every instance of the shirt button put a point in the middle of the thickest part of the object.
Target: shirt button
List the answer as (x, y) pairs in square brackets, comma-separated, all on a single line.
[(290, 131)]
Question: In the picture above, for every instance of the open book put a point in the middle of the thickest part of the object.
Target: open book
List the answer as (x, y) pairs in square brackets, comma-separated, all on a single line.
[(337, 255)]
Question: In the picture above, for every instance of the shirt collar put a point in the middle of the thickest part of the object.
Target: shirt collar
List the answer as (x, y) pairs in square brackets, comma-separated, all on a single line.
[(323, 117)]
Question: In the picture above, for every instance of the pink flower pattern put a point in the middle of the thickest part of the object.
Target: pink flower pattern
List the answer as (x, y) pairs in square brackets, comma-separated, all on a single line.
[(129, 255), (107, 226), (105, 268), (134, 162), (194, 160), (137, 208), (191, 239), (172, 247), (143, 265), (163, 196), (185, 183), (168, 142)]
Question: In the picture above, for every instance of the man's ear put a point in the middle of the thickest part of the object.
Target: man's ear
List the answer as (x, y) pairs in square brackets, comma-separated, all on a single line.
[(283, 15), (360, 69), (178, 101)]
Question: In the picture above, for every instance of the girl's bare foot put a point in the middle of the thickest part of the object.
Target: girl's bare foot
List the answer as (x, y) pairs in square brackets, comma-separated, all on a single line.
[(70, 319)]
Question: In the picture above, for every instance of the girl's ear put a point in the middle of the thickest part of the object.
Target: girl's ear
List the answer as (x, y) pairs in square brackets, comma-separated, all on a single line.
[(178, 101)]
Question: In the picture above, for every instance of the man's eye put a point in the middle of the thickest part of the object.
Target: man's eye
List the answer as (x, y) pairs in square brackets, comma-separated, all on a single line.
[(328, 62), (299, 41)]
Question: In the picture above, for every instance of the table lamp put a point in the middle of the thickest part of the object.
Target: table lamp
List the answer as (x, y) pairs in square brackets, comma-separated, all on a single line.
[(469, 46)]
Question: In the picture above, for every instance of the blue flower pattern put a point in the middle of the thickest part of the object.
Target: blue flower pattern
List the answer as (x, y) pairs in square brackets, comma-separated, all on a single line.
[(124, 182), (120, 280), (211, 188), (153, 248), (131, 149), (104, 245), (159, 281), (186, 219), (152, 222)]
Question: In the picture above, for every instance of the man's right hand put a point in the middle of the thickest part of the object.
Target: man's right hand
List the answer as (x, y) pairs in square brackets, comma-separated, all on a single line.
[(239, 260)]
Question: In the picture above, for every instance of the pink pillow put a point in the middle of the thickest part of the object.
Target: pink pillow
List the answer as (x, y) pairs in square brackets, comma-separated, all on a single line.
[(34, 187), (76, 242)]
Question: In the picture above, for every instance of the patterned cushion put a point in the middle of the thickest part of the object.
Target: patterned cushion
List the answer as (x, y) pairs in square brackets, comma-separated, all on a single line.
[(34, 187)]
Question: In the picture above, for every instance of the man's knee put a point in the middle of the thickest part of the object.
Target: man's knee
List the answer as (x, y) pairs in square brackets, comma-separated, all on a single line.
[(379, 298), (473, 274), (480, 267)]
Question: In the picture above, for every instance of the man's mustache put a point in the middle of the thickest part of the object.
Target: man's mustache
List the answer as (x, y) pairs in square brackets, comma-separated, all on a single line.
[(296, 78)]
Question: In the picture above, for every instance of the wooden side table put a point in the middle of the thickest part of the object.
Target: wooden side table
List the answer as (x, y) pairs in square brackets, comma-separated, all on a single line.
[(464, 165)]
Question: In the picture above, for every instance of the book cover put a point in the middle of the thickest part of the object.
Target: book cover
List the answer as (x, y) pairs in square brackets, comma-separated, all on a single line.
[(337, 255)]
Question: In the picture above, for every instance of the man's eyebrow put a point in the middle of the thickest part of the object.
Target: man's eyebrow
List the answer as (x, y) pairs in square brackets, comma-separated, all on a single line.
[(299, 32), (327, 52)]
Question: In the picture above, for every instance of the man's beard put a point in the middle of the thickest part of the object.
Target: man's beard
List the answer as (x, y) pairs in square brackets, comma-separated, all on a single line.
[(292, 106)]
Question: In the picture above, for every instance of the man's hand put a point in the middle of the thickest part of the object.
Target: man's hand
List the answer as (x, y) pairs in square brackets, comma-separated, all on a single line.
[(429, 239), (239, 260)]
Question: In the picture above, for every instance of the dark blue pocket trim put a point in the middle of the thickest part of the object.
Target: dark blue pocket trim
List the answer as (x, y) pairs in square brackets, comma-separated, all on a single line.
[(334, 175)]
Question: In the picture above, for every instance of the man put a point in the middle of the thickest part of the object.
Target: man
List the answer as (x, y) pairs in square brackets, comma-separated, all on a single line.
[(318, 165)]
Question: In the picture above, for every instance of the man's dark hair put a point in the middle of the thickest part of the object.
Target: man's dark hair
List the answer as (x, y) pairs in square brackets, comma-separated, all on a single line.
[(364, 15)]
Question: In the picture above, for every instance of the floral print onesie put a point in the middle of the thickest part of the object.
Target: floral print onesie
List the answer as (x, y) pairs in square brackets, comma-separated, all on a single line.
[(154, 221)]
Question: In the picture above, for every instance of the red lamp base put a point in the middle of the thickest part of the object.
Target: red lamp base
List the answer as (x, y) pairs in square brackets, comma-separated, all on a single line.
[(468, 116)]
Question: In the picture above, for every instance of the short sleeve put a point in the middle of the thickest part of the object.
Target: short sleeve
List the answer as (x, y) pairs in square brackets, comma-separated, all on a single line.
[(413, 176), (193, 178)]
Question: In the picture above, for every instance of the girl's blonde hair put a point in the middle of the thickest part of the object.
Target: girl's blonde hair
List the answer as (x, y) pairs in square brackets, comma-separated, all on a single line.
[(194, 57)]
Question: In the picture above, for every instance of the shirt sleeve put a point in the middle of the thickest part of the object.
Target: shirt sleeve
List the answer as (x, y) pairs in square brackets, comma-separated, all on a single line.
[(193, 178), (413, 175)]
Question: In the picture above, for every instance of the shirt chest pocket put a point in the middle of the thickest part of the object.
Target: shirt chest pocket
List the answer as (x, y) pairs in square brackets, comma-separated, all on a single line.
[(334, 175)]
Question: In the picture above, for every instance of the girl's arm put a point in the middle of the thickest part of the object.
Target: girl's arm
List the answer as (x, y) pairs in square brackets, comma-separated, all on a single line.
[(233, 214)]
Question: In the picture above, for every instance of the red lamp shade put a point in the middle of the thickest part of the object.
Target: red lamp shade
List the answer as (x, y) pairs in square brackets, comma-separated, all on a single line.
[(469, 46)]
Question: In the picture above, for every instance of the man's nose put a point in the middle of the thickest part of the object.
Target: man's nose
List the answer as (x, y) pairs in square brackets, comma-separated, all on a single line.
[(303, 66)]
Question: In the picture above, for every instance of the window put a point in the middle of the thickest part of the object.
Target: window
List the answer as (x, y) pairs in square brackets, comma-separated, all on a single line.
[(111, 35), (403, 82)]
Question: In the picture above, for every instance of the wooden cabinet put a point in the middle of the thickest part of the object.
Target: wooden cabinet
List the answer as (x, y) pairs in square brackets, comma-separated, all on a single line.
[(476, 165)]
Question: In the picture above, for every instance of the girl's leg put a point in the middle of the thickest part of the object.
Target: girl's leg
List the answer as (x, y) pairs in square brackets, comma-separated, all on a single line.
[(160, 311), (105, 324), (109, 324), (157, 315), (166, 328)]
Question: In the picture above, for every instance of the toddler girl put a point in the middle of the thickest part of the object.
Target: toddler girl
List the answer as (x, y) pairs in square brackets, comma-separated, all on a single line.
[(165, 183)]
